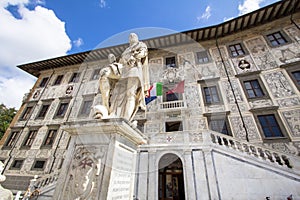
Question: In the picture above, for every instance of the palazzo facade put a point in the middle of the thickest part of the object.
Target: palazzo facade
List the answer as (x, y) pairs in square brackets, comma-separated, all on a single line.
[(231, 130)]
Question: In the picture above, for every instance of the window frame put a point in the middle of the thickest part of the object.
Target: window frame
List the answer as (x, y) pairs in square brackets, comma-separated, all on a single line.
[(168, 87), (62, 115), (30, 137), (264, 112), (234, 45), (26, 114), (52, 138), (171, 57), (44, 82), (262, 87), (218, 93), (11, 139), (202, 52), (95, 74), (290, 70), (213, 118), (33, 168), (58, 79), (40, 114), (180, 128), (283, 36), (80, 112), (12, 167), (75, 77)]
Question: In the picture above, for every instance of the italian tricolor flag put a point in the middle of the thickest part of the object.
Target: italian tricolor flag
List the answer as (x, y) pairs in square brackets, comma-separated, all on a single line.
[(154, 91)]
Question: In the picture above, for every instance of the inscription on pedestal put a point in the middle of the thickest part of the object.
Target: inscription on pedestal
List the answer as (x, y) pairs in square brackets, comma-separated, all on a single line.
[(123, 171)]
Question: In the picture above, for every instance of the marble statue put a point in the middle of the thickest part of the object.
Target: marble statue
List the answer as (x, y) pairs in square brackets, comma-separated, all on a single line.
[(32, 189), (108, 77), (5, 194), (123, 83)]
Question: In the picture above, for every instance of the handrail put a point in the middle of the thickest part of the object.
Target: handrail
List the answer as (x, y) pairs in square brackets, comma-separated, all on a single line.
[(172, 104), (246, 147)]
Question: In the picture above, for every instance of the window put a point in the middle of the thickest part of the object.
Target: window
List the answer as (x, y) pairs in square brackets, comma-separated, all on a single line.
[(30, 138), (253, 89), (219, 125), (276, 39), (211, 95), (269, 126), (174, 126), (43, 111), (236, 50), (27, 113), (296, 76), (38, 165), (44, 82), (58, 79), (171, 61), (17, 164), (96, 74), (11, 139), (74, 78), (86, 108), (50, 137), (202, 57), (62, 109), (173, 92), (173, 97)]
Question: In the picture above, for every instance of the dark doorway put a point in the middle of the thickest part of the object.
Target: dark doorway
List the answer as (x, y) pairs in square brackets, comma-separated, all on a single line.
[(171, 183)]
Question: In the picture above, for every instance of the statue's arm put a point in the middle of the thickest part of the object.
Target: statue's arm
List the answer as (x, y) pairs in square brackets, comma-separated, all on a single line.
[(142, 51)]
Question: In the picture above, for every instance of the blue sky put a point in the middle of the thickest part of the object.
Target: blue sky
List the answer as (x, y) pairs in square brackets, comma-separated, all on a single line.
[(32, 30)]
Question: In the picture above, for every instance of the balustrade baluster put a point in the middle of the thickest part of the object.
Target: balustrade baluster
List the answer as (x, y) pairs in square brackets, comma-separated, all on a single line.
[(253, 151), (286, 161)]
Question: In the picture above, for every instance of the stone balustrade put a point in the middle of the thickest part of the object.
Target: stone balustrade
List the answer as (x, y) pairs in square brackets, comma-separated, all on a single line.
[(46, 180), (172, 105), (260, 152)]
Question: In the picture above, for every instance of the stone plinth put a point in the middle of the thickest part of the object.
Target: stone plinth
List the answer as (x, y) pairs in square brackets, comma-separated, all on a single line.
[(101, 160)]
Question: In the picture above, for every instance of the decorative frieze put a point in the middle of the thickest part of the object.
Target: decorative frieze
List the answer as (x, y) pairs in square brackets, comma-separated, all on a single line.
[(292, 118), (260, 53), (192, 96), (228, 91), (239, 131), (288, 102), (278, 84), (260, 103)]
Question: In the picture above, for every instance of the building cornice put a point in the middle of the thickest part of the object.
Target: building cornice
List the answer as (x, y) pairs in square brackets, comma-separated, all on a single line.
[(256, 18)]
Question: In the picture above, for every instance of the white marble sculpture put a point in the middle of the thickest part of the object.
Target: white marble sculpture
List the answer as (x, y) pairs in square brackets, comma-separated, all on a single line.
[(123, 83), (5, 194)]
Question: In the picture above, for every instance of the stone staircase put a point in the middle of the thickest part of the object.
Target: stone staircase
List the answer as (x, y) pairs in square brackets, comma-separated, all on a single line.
[(254, 153), (44, 186)]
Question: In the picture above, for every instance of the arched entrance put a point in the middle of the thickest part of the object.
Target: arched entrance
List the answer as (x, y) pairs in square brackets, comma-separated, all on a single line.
[(170, 177)]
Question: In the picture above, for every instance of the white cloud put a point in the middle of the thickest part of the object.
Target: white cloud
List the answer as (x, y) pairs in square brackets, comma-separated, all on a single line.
[(38, 34), (249, 6), (12, 90), (79, 42), (206, 14), (225, 19), (102, 3)]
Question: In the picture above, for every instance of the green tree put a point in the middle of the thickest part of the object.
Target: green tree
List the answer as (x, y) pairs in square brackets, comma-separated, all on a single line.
[(6, 116)]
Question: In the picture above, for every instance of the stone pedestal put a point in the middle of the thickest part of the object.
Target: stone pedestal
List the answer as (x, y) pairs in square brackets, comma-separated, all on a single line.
[(100, 162)]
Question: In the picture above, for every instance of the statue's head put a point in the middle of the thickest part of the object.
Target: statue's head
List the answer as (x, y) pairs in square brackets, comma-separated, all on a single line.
[(133, 38), (111, 58)]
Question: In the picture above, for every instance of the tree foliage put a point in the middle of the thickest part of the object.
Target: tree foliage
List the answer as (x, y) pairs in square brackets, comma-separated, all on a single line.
[(6, 116)]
